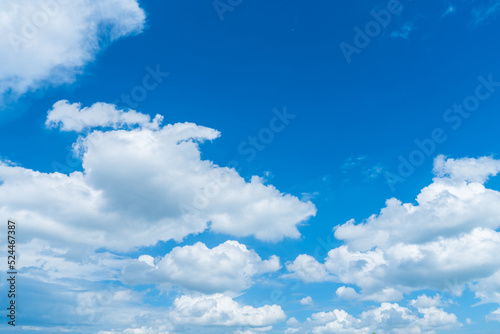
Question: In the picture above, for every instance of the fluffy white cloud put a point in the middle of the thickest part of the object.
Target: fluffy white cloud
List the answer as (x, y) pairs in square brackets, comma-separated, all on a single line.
[(456, 202), (221, 310), (446, 242), (488, 289), (307, 269), (48, 42), (385, 319), (85, 306), (306, 300), (494, 315), (466, 169), (205, 314), (336, 321), (424, 301), (404, 268), (71, 117), (227, 268), (143, 185), (346, 293)]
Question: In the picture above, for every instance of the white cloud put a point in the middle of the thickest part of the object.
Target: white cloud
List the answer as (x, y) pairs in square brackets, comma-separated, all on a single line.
[(494, 315), (62, 265), (450, 236), (336, 321), (292, 322), (88, 307), (354, 266), (221, 310), (307, 269), (455, 202), (48, 42), (143, 185), (133, 191), (346, 293), (229, 268), (71, 117), (306, 300), (91, 307), (466, 169), (385, 319), (392, 317), (423, 301), (488, 289)]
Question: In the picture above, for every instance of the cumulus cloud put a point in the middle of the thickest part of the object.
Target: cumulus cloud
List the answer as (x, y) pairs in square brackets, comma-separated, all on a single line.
[(345, 292), (449, 236), (229, 268), (385, 319), (72, 117), (494, 315), (142, 185), (88, 288), (306, 300), (48, 42), (307, 269), (456, 202), (466, 169), (91, 307), (206, 314), (423, 301), (218, 309)]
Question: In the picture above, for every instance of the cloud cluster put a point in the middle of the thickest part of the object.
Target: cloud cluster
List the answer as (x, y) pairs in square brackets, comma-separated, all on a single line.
[(48, 42), (447, 241), (107, 308), (426, 316), (90, 287), (205, 313), (227, 268), (142, 185), (221, 310)]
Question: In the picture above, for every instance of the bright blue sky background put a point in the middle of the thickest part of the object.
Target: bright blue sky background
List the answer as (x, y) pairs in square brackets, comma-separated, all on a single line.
[(230, 74)]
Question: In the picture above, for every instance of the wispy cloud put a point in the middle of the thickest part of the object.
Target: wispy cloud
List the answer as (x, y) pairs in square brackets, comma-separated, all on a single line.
[(449, 10), (483, 14), (404, 31), (358, 163)]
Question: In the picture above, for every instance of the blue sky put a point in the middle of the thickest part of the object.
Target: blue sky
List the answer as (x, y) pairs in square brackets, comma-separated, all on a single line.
[(252, 167)]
